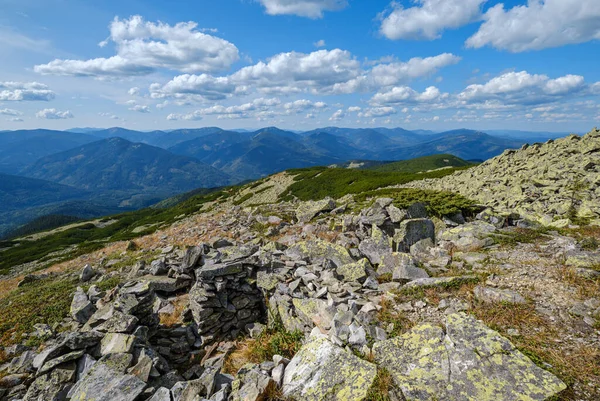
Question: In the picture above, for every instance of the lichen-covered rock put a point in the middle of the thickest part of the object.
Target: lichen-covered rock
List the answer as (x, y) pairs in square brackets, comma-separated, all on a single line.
[(439, 281), (534, 181), (321, 371), (114, 343), (102, 383), (376, 246), (307, 210), (314, 311), (318, 250), (412, 231), (354, 272), (251, 384), (471, 236), (488, 294), (470, 362), (402, 267), (52, 386)]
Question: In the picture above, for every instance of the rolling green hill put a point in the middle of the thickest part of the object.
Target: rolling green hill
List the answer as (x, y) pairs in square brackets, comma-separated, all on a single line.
[(420, 164)]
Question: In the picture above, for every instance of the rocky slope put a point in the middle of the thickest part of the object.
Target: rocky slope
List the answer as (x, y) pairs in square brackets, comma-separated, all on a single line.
[(255, 299), (549, 182)]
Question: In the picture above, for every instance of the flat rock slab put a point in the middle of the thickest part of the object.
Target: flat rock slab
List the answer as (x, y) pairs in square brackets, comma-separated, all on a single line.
[(471, 362), (102, 383), (315, 250), (307, 210), (491, 295), (322, 371), (439, 281)]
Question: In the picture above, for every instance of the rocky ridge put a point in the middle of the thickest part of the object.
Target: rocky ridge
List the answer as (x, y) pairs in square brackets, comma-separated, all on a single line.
[(549, 183), (114, 346)]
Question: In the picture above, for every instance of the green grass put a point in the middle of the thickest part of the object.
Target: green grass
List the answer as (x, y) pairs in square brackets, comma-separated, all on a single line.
[(421, 164), (520, 236), (319, 182), (44, 301), (88, 238), (438, 203)]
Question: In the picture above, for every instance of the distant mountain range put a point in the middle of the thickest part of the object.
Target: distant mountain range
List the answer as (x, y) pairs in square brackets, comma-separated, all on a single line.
[(110, 170)]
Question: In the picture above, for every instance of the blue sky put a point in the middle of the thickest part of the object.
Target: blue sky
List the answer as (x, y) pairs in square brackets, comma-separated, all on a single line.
[(300, 64)]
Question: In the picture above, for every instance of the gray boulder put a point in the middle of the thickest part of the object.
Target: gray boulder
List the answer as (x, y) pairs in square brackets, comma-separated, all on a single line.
[(411, 232), (87, 273), (308, 210), (102, 383), (376, 246), (81, 307)]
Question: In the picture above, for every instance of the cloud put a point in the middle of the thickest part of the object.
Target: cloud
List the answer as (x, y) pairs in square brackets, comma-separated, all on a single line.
[(25, 91), (53, 114), (140, 108), (523, 88), (320, 43), (10, 112), (354, 109), (538, 25), (302, 105), (204, 86), (134, 91), (143, 47), (302, 8), (256, 108), (323, 72), (294, 72), (377, 112), (338, 115), (16, 120), (108, 115), (406, 95), (429, 18)]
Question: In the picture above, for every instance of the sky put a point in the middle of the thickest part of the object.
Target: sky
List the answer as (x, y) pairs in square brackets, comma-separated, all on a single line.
[(300, 64)]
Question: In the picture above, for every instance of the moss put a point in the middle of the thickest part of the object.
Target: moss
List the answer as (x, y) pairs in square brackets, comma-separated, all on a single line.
[(43, 301)]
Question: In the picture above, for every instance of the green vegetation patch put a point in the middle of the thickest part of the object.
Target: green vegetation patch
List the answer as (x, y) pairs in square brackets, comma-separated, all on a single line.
[(421, 164), (438, 203), (44, 301), (319, 182)]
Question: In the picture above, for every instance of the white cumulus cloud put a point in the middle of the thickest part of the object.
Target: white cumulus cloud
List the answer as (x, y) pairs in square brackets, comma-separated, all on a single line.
[(538, 25), (25, 91), (523, 88), (143, 47), (140, 108), (338, 115), (303, 8), (406, 95), (429, 18), (53, 114)]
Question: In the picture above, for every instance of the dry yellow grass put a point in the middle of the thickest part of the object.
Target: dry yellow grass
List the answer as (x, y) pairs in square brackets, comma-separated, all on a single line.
[(171, 319)]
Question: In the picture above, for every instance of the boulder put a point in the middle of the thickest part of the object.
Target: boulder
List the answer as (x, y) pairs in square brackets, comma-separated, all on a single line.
[(412, 231), (106, 384), (492, 295), (52, 386), (323, 371), (162, 394), (402, 266), (81, 307), (308, 210), (354, 272), (470, 362), (376, 246), (87, 273), (251, 384), (114, 343), (318, 250)]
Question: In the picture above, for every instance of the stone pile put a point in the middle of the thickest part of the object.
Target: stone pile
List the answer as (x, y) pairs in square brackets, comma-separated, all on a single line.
[(116, 347)]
